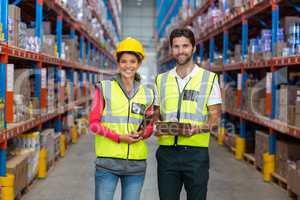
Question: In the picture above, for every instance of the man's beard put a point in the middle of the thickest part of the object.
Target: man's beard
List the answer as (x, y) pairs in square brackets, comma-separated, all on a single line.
[(185, 61)]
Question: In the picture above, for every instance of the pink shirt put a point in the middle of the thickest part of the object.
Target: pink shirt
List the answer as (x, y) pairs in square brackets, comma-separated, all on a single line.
[(98, 128)]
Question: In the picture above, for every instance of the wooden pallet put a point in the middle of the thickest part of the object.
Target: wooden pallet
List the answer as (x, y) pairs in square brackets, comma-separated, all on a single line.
[(27, 189), (232, 149), (278, 180), (258, 168), (249, 159), (292, 195)]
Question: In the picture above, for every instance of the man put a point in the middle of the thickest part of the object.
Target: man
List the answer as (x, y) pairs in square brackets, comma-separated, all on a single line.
[(187, 94)]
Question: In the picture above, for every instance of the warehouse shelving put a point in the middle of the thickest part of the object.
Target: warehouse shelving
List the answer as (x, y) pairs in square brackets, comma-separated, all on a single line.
[(226, 24), (115, 16), (82, 75), (240, 25), (61, 11), (230, 22), (189, 20), (23, 127)]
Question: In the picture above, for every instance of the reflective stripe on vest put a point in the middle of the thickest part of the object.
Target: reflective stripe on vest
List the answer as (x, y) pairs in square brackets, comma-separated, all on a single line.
[(120, 116), (192, 110)]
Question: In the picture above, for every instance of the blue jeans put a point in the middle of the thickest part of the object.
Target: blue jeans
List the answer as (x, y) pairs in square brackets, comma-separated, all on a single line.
[(106, 183)]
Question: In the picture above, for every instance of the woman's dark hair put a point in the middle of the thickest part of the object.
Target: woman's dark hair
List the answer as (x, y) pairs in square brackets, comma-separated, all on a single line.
[(137, 77), (138, 56), (182, 32)]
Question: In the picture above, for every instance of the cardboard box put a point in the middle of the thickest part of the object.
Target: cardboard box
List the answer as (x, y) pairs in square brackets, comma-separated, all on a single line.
[(173, 128), (46, 28), (291, 115), (2, 113), (18, 166), (293, 179), (297, 109), (261, 147), (279, 48), (287, 21), (288, 150), (14, 12), (30, 32), (281, 166), (49, 42), (238, 53), (297, 120), (288, 94)]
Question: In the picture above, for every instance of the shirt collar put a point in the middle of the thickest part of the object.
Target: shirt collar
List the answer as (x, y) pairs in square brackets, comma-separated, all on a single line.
[(136, 84), (190, 75)]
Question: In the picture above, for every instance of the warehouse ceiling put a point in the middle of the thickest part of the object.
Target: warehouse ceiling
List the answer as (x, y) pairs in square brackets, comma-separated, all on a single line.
[(138, 20)]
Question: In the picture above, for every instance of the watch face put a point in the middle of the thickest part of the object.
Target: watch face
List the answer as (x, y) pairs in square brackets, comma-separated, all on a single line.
[(138, 108)]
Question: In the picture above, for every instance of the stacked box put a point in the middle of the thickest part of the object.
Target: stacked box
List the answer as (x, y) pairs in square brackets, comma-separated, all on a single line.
[(230, 97), (56, 139), (297, 109), (32, 42), (49, 44), (13, 25), (51, 95), (29, 144), (293, 178), (46, 27), (1, 33), (261, 147), (33, 159), (22, 35), (286, 151), (2, 113), (237, 53), (18, 166), (47, 141), (280, 48), (287, 101), (288, 21), (22, 94)]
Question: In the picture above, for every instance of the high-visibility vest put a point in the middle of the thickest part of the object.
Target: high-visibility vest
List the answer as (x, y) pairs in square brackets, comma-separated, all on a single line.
[(189, 106), (123, 116)]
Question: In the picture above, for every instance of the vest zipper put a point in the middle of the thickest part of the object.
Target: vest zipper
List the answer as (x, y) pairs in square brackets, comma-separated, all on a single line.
[(179, 105), (127, 127), (128, 98)]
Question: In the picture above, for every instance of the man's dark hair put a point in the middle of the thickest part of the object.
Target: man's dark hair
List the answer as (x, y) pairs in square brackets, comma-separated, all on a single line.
[(182, 32)]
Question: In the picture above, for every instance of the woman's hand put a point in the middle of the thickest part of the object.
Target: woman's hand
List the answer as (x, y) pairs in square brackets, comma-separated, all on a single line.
[(130, 138)]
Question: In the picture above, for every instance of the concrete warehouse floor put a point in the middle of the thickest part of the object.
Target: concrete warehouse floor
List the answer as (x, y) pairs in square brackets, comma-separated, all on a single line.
[(72, 178)]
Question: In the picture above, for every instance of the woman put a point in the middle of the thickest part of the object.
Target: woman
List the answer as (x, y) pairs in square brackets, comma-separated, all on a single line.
[(119, 109)]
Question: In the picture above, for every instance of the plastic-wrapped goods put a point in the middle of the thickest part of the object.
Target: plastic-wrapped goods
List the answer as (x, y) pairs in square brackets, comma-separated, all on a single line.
[(32, 42), (266, 43), (22, 35), (1, 33), (2, 113), (294, 38), (27, 140), (56, 138), (51, 95), (47, 141), (13, 29), (49, 44)]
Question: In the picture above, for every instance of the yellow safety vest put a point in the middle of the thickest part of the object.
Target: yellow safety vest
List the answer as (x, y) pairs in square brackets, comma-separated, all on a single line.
[(123, 116), (190, 106)]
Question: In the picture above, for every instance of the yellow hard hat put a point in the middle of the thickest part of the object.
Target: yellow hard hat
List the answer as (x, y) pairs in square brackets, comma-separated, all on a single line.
[(131, 45)]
